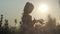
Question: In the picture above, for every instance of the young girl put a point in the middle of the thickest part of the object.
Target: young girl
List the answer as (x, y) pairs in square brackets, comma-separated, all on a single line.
[(27, 19)]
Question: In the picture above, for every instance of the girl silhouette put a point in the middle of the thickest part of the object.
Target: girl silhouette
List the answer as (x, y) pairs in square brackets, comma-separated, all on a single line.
[(27, 19)]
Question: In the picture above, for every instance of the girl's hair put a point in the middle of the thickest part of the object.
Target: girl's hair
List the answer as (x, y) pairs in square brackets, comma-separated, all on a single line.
[(28, 8)]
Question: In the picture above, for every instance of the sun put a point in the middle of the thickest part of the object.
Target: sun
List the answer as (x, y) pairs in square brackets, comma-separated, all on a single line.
[(43, 8)]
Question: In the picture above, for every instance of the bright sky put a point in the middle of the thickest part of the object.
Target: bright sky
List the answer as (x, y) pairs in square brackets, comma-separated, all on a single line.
[(12, 9)]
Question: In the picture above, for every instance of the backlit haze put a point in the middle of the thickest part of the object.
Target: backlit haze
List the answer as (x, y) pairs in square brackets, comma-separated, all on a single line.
[(13, 9)]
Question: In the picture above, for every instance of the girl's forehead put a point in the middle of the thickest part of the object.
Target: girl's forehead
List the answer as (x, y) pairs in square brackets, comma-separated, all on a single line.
[(29, 5)]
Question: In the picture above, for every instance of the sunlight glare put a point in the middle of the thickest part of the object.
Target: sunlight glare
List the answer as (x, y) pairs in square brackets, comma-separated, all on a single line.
[(43, 8)]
